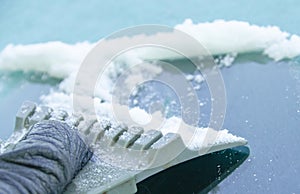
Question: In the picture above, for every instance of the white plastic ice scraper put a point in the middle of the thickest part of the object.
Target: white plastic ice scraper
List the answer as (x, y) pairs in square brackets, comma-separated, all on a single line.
[(124, 156)]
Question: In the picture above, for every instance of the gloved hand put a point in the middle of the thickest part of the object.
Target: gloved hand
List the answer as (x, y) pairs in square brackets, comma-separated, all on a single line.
[(45, 160)]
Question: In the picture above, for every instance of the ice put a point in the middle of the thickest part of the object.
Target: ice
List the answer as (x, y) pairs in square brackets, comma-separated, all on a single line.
[(13, 139), (204, 137), (61, 60), (140, 116), (57, 59), (94, 175), (189, 77), (59, 114), (224, 37), (198, 78), (105, 123)]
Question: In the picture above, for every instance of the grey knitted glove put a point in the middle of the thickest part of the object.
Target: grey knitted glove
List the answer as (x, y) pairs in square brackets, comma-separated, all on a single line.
[(44, 161)]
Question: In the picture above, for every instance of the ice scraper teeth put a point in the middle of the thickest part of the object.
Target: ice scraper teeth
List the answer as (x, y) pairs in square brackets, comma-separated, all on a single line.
[(123, 156), (26, 110)]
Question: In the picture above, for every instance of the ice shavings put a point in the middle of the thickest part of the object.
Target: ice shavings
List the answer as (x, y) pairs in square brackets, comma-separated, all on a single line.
[(55, 58), (95, 175), (197, 78), (139, 116), (62, 99), (223, 37), (207, 137), (59, 59), (289, 48), (57, 100), (193, 137), (12, 140), (197, 138), (225, 60)]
